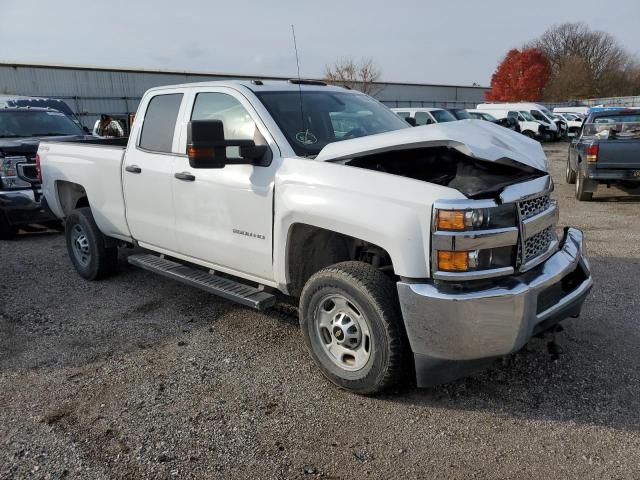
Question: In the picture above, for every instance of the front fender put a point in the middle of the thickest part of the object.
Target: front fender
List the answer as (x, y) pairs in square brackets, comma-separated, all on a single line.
[(387, 210)]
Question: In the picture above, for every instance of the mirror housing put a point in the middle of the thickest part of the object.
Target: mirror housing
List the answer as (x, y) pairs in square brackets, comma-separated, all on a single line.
[(207, 147)]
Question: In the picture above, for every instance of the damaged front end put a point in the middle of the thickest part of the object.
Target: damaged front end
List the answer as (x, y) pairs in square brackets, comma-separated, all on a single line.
[(446, 166), (477, 158)]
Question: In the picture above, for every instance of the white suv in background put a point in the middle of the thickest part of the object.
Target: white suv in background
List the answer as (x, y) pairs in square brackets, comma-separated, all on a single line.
[(425, 115), (539, 113)]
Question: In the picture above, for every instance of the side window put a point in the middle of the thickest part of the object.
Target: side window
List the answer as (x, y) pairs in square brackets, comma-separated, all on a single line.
[(512, 115), (160, 123), (423, 118), (403, 115), (238, 124), (538, 116)]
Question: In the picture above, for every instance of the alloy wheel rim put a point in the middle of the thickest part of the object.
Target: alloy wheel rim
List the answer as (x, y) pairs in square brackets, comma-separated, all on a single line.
[(343, 332)]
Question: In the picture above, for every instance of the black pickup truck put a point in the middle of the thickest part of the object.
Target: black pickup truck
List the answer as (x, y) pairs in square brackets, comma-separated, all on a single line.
[(21, 129), (605, 150)]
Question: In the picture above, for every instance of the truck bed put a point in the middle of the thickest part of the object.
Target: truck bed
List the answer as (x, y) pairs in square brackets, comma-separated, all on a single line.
[(96, 165)]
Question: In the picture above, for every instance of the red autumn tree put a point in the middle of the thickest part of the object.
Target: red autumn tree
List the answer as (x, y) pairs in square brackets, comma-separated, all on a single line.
[(521, 76)]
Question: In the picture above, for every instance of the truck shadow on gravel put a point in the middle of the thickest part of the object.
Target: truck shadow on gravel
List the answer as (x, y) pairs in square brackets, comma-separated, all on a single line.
[(591, 377)]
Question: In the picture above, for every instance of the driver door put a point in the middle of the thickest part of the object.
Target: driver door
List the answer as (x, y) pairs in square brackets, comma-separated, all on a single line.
[(225, 215)]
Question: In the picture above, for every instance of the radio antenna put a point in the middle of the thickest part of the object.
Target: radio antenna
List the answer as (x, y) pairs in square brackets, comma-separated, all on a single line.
[(295, 47)]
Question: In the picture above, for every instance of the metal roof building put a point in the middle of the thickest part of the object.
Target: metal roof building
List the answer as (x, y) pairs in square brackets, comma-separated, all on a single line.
[(90, 91)]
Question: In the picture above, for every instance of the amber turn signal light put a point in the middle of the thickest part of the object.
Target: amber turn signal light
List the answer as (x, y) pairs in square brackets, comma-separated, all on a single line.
[(451, 220), (193, 152), (453, 261)]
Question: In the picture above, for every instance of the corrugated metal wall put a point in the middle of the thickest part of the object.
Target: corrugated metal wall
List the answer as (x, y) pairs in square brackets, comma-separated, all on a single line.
[(92, 91)]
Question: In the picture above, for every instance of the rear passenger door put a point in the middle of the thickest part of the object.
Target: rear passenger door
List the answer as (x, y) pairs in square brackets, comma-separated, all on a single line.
[(147, 176)]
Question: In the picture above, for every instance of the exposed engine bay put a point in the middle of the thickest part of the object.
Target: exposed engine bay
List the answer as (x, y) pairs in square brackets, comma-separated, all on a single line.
[(448, 167)]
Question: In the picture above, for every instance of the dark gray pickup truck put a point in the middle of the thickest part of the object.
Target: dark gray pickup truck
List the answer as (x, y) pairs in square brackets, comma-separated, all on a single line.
[(21, 129), (606, 150)]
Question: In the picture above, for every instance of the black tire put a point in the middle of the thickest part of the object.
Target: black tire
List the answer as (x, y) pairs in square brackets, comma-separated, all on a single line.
[(530, 134), (374, 297), (581, 193), (7, 231), (570, 174), (89, 250)]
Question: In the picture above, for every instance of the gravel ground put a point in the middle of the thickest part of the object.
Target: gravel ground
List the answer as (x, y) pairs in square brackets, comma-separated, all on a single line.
[(137, 377)]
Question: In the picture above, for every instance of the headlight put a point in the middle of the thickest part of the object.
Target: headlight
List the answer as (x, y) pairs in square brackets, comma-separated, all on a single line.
[(476, 218), (474, 242), (9, 173)]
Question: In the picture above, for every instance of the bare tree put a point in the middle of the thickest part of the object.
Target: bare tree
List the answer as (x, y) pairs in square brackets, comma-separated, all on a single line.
[(349, 73), (573, 48), (571, 80)]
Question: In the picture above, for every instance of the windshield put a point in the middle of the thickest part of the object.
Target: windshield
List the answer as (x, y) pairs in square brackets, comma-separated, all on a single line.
[(488, 117), (443, 116), (461, 114), (326, 117), (527, 116), (539, 116), (30, 123), (546, 112)]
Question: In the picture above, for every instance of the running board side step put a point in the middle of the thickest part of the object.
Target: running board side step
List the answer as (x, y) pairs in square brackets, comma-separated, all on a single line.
[(209, 282)]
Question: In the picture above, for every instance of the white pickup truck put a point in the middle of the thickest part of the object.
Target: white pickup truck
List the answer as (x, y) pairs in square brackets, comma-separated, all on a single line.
[(426, 250)]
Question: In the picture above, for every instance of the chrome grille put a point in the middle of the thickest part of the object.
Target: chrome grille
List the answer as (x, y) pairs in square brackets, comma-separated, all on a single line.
[(530, 208), (538, 244)]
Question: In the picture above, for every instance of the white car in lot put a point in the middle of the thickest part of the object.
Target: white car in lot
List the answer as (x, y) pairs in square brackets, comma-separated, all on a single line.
[(430, 250), (574, 122), (538, 112), (528, 125), (425, 115)]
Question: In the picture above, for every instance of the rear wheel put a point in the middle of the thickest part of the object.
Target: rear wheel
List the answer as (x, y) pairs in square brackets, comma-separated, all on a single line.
[(353, 327), (89, 250), (529, 134), (581, 193), (570, 174)]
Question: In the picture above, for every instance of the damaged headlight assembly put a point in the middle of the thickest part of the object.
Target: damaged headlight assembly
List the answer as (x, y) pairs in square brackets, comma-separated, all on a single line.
[(473, 242)]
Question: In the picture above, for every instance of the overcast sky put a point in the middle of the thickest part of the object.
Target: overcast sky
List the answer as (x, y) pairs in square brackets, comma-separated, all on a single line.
[(451, 42)]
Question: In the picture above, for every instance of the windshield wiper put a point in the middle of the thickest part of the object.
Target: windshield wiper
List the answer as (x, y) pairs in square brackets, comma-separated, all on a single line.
[(11, 136), (50, 134)]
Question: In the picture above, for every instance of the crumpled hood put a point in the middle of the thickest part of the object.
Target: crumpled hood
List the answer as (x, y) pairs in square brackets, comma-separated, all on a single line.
[(476, 138)]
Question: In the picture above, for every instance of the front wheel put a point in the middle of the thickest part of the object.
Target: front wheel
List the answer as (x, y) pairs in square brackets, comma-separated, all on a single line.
[(353, 328), (90, 253)]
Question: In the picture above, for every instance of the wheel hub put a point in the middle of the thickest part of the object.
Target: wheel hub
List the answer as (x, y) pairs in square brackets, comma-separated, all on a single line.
[(80, 244), (346, 331), (343, 332)]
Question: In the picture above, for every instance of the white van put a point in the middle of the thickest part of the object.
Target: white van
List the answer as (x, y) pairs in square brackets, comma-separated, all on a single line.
[(584, 111), (528, 125), (540, 113), (424, 115)]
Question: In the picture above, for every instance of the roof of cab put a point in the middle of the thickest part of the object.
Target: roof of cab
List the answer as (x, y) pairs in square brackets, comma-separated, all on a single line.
[(259, 86)]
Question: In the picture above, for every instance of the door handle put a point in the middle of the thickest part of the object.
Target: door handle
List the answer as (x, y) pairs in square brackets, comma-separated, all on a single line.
[(133, 169), (186, 176)]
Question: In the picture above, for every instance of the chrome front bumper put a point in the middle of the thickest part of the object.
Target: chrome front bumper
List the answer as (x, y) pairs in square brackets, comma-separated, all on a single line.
[(450, 327)]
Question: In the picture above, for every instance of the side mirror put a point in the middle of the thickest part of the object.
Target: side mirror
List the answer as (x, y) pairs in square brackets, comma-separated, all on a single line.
[(410, 121), (207, 147)]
